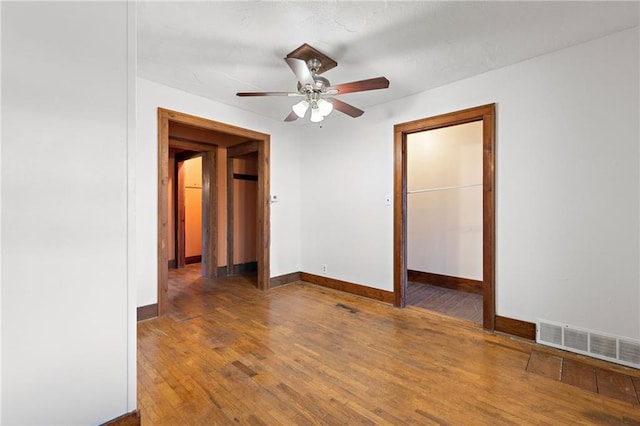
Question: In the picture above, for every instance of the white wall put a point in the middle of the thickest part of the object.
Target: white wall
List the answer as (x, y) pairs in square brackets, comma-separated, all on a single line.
[(67, 323), (568, 190), (444, 226), (285, 171)]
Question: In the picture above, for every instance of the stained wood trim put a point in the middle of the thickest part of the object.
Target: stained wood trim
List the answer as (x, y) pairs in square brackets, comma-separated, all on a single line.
[(242, 149), (230, 212), (486, 113), (360, 290), (193, 259), (210, 214), (180, 228), (173, 264), (226, 135), (238, 268), (205, 123), (285, 279), (129, 419), (455, 283), (186, 155), (163, 203), (241, 176), (189, 146), (264, 213), (488, 216), (147, 311), (524, 329)]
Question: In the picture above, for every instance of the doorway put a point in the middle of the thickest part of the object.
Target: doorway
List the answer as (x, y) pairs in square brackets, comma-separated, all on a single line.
[(242, 182), (486, 286), (208, 138), (186, 200), (444, 220)]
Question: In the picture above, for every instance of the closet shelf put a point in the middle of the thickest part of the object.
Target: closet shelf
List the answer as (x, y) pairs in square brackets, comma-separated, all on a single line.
[(444, 188)]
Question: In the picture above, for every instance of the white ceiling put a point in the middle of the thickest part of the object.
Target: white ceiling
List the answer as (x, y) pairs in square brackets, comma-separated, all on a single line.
[(215, 49)]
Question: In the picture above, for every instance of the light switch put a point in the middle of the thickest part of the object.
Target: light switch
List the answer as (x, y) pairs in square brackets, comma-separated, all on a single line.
[(274, 199)]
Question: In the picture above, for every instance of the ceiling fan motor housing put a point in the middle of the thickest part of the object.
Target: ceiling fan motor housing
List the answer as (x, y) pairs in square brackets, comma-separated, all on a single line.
[(321, 83)]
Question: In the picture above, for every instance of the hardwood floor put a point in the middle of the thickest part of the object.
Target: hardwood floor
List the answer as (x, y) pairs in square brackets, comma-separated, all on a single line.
[(302, 354), (446, 301)]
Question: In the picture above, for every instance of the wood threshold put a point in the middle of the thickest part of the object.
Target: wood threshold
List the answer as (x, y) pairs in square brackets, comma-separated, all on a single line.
[(446, 281), (347, 287)]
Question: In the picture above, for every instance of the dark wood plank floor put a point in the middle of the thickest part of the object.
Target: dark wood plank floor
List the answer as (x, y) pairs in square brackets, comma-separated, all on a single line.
[(302, 354), (449, 302), (614, 384)]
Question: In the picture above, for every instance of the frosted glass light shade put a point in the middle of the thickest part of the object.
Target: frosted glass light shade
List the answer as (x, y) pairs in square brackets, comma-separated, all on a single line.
[(316, 115), (325, 107), (301, 108)]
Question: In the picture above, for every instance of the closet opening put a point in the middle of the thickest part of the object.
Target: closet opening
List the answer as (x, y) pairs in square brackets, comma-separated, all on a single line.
[(444, 220)]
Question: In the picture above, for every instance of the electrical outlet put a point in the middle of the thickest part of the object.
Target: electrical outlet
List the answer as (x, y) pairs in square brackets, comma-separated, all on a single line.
[(323, 268)]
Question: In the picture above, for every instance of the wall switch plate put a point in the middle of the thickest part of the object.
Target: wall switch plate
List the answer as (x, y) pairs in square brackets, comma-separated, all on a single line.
[(387, 200), (274, 199)]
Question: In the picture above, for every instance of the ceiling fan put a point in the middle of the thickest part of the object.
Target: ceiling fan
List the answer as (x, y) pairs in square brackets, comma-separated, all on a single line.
[(317, 92)]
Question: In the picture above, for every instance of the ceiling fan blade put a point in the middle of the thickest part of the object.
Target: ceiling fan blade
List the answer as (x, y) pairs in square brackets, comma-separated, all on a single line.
[(267, 94), (346, 108), (300, 69), (362, 85), (291, 117)]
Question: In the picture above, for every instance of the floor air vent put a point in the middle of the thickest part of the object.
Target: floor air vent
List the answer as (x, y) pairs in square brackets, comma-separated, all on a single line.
[(587, 342)]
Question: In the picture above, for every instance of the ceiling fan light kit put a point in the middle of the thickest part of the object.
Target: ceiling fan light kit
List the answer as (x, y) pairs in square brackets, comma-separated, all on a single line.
[(320, 108), (307, 63)]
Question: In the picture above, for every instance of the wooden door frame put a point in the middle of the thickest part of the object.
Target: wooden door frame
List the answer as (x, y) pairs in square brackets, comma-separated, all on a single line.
[(227, 136), (486, 114)]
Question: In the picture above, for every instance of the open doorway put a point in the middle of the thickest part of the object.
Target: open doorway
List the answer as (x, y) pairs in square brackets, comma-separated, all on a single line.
[(189, 136), (444, 220), (185, 200), (242, 191), (486, 116)]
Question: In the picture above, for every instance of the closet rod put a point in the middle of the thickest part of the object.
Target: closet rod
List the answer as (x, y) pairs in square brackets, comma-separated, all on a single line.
[(444, 188)]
